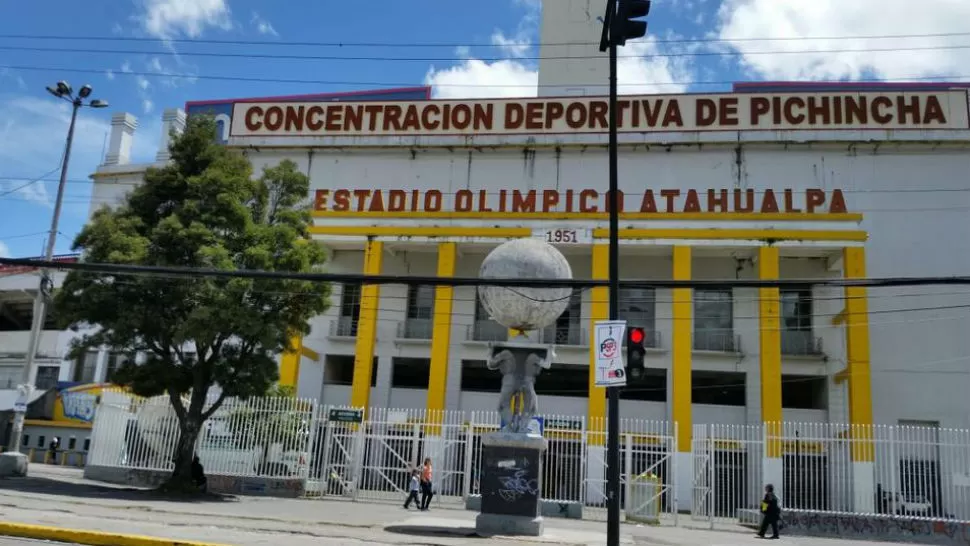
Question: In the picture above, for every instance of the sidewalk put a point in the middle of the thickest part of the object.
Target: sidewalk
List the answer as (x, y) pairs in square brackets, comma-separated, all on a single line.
[(60, 498)]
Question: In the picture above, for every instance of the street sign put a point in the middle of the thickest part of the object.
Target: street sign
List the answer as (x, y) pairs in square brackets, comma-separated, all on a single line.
[(346, 416), (608, 353)]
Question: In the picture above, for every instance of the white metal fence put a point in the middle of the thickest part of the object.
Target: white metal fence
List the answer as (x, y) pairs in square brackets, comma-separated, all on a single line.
[(921, 471), (914, 470)]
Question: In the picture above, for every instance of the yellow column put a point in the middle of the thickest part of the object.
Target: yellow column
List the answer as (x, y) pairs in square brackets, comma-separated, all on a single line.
[(770, 318), (599, 310), (290, 363), (370, 295), (857, 357), (682, 349), (441, 337)]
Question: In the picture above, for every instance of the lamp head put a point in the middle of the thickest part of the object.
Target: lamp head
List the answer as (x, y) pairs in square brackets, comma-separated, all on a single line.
[(64, 88), (54, 91), (98, 103), (85, 91)]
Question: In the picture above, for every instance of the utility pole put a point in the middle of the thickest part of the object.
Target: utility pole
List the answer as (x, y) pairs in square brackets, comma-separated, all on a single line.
[(619, 25), (62, 91)]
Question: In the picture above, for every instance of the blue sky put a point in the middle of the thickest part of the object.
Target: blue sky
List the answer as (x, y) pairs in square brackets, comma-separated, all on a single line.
[(485, 42)]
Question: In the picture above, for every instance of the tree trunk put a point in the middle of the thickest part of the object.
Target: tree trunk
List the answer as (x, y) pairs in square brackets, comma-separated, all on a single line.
[(181, 479)]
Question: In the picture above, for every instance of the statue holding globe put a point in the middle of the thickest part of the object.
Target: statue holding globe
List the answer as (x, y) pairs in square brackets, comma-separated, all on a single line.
[(511, 471)]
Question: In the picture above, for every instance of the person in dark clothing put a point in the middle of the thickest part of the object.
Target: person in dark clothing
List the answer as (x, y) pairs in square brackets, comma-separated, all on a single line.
[(770, 513), (427, 490), (198, 474)]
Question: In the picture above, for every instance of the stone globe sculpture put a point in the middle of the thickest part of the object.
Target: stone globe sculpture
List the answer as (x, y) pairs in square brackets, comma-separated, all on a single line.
[(525, 309)]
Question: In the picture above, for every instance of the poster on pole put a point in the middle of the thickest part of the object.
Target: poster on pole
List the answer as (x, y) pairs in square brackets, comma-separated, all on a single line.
[(608, 353)]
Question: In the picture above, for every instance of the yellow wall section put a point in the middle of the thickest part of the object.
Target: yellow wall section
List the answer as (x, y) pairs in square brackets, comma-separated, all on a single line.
[(857, 349), (770, 318), (290, 363), (367, 327), (599, 310), (682, 349), (441, 338)]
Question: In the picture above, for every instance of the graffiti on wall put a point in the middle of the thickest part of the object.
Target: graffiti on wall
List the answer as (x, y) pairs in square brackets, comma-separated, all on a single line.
[(877, 527)]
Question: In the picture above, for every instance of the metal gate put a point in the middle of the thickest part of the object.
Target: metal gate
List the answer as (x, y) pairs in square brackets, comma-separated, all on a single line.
[(726, 471), (335, 461)]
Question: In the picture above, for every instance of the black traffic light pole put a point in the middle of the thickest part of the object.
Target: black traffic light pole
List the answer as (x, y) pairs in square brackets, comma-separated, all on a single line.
[(617, 28)]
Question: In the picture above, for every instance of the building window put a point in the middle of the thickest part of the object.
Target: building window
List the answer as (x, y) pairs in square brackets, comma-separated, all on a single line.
[(47, 377), (420, 312), (718, 388), (796, 323), (486, 329), (714, 321), (10, 377), (567, 330), (339, 370), (476, 377), (638, 306), (410, 373), (85, 368), (804, 392), (349, 310), (562, 380), (649, 387), (115, 362)]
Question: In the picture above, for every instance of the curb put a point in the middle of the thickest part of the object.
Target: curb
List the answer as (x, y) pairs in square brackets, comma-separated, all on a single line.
[(92, 538)]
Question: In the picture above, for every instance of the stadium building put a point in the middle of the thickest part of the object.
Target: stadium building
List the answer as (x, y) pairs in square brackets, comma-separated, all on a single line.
[(768, 181)]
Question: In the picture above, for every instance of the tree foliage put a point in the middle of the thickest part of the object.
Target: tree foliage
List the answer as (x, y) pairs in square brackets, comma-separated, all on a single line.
[(203, 210)]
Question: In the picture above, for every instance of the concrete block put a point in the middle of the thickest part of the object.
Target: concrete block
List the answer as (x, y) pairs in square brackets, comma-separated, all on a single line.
[(13, 465), (505, 525), (547, 508)]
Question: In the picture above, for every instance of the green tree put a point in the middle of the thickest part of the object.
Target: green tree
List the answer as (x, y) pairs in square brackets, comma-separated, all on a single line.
[(203, 210)]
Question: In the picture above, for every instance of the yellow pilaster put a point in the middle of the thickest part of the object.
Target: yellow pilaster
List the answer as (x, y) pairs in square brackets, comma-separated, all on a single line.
[(290, 363), (599, 310), (441, 338), (770, 319), (370, 295), (857, 357), (682, 349)]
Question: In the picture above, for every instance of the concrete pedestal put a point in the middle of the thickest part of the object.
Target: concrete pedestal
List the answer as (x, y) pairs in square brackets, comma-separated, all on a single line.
[(13, 465), (511, 484)]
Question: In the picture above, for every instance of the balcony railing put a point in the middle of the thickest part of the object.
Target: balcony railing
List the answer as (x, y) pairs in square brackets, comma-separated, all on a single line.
[(716, 341), (344, 327), (487, 330), (422, 329), (651, 339), (566, 336), (800, 343)]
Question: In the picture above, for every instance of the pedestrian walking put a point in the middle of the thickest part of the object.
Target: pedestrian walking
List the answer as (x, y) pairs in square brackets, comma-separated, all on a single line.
[(770, 513), (427, 490), (413, 490)]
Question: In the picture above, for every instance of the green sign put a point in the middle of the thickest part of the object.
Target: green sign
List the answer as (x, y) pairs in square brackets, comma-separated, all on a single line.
[(564, 424), (346, 415)]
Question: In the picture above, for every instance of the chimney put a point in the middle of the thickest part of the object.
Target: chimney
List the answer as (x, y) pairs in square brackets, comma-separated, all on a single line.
[(122, 133), (173, 119)]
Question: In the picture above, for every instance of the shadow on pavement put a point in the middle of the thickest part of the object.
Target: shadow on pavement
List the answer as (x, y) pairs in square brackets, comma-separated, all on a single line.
[(433, 531), (82, 491)]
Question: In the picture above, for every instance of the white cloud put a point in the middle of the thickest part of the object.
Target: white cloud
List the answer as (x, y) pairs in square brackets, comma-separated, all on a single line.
[(474, 78), (126, 66), (147, 106), (637, 71), (796, 20), (33, 133), (109, 74), (516, 46), (143, 82), (5, 250), (170, 18), (262, 26)]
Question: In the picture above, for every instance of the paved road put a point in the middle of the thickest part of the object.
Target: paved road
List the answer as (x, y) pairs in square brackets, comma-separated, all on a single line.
[(5, 541)]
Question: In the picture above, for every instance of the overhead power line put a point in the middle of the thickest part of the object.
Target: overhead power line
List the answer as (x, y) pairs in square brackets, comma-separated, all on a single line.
[(278, 57), (347, 44), (377, 84), (353, 278)]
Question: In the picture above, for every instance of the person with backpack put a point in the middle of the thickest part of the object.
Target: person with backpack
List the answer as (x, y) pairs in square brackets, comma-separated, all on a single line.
[(770, 513)]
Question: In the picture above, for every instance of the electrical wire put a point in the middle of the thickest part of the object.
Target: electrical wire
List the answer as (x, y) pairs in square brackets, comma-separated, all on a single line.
[(347, 44), (863, 191), (29, 183), (358, 58), (378, 84)]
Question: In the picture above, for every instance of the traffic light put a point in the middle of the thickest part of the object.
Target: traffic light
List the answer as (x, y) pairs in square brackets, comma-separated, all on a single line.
[(635, 351), (626, 26)]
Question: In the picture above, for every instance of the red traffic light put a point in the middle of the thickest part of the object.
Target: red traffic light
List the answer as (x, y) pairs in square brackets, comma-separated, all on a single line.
[(637, 335)]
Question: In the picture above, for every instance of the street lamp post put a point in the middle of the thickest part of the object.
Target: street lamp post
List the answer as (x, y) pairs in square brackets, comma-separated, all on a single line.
[(64, 92)]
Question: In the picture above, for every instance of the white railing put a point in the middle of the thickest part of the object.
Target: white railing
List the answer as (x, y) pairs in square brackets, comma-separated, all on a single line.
[(832, 468), (820, 467)]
